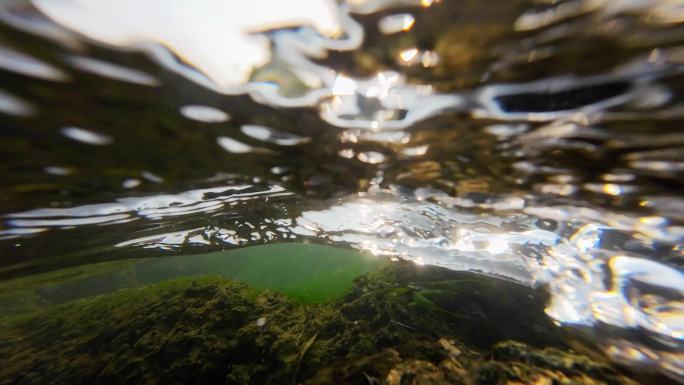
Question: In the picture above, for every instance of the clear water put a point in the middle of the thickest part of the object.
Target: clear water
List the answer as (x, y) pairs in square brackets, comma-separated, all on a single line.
[(309, 273), (535, 141)]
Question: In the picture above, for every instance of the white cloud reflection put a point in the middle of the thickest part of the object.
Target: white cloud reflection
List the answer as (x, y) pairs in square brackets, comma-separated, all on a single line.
[(215, 36)]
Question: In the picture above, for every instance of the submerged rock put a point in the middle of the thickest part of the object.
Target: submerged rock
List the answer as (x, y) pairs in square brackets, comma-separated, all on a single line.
[(404, 324)]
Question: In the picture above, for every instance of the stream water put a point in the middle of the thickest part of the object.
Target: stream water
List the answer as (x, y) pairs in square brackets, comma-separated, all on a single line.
[(534, 141)]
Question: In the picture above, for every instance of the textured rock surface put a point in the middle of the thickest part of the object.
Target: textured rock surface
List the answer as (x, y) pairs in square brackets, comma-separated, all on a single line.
[(402, 325)]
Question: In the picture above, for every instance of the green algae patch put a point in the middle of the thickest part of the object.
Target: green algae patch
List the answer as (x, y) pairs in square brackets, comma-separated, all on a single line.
[(403, 324), (309, 273)]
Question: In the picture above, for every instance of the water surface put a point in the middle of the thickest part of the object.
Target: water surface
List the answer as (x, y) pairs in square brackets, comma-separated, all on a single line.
[(538, 142)]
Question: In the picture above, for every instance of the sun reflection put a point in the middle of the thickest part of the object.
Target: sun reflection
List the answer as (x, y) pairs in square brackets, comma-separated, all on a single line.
[(204, 114), (429, 59), (371, 157), (12, 105), (343, 86), (21, 63), (233, 146), (382, 102), (402, 22), (86, 136), (413, 56), (497, 246), (216, 37), (408, 55), (653, 220), (612, 189)]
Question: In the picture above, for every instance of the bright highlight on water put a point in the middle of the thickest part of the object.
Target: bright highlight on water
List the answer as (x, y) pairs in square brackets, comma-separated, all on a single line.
[(308, 149)]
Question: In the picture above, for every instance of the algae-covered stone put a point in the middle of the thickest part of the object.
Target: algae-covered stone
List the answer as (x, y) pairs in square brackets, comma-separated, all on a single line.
[(405, 324), (189, 331)]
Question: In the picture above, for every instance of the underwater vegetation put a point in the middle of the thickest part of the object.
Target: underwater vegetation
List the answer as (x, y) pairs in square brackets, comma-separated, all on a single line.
[(403, 324), (307, 272)]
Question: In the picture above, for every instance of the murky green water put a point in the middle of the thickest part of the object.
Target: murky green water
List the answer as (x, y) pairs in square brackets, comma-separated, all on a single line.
[(354, 192), (306, 272)]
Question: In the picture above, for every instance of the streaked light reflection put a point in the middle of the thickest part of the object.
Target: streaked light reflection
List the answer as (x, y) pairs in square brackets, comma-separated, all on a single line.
[(113, 71), (13, 105), (233, 146), (204, 114), (270, 135), (21, 63), (396, 23), (86, 136)]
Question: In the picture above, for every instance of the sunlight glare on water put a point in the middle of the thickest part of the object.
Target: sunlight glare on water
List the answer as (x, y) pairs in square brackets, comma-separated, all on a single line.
[(534, 141), (202, 31)]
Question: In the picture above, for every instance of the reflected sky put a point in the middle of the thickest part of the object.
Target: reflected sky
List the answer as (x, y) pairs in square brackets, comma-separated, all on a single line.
[(219, 38)]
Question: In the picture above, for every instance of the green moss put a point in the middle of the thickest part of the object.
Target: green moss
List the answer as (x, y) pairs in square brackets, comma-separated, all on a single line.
[(309, 273), (211, 330), (178, 331)]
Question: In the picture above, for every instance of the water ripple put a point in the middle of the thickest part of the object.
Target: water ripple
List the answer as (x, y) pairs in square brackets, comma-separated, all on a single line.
[(538, 142)]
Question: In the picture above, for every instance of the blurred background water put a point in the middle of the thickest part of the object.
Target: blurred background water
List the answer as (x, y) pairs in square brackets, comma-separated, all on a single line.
[(538, 141)]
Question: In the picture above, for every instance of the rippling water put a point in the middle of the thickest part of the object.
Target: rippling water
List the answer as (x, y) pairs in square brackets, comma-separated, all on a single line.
[(537, 141)]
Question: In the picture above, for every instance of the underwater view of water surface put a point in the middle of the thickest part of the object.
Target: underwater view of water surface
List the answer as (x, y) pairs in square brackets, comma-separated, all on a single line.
[(361, 192)]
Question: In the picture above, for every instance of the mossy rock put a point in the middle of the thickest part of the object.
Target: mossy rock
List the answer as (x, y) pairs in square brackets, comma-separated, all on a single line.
[(182, 331), (212, 330)]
